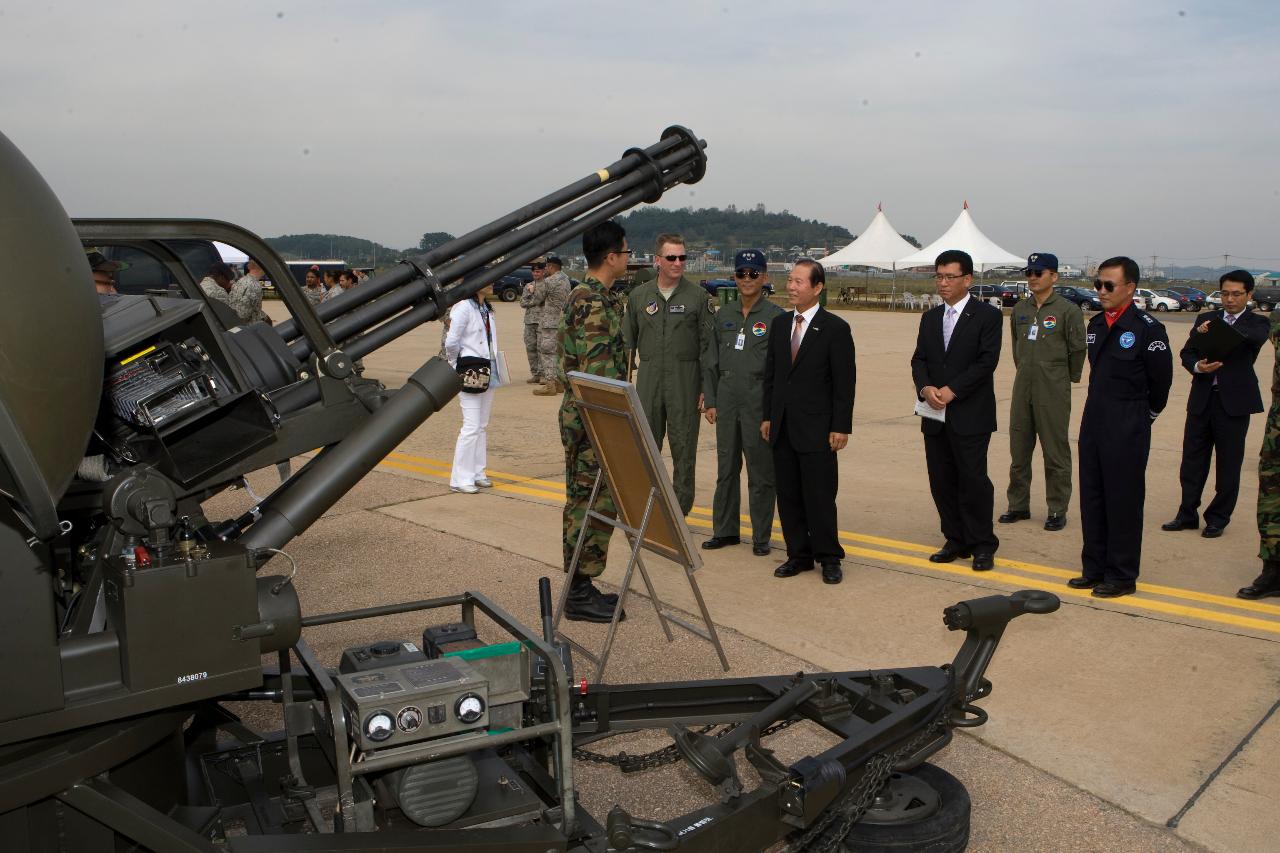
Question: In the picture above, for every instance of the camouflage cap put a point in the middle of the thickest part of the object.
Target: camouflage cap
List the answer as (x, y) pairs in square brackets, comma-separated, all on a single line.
[(99, 262), (541, 259)]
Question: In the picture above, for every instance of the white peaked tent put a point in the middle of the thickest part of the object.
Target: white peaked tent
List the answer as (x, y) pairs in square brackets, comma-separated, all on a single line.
[(879, 245), (963, 234)]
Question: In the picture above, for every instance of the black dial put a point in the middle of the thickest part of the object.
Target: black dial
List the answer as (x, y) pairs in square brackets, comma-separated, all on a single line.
[(409, 719)]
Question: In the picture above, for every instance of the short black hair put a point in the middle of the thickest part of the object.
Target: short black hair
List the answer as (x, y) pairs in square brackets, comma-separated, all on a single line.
[(955, 256), (1127, 265), (817, 273), (599, 241), (1240, 277), (221, 270)]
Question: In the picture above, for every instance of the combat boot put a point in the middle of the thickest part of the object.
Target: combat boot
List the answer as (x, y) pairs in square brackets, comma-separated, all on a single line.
[(548, 389), (1265, 585), (588, 604)]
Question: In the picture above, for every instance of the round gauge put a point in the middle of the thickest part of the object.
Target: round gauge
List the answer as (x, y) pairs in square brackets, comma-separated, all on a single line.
[(409, 719), (469, 708), (379, 726)]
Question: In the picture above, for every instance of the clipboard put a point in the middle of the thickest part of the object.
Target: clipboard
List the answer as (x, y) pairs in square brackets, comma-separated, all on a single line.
[(1219, 341)]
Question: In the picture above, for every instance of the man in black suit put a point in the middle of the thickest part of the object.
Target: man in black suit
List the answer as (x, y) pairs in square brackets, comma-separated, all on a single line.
[(957, 351), (809, 378), (1223, 396)]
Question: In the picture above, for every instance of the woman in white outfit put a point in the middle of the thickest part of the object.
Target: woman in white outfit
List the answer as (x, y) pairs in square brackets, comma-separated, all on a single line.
[(472, 332)]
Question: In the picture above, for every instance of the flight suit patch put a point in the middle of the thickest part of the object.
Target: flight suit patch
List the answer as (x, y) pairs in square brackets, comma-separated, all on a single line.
[(675, 309), (651, 308), (759, 329), (1127, 340), (1050, 323)]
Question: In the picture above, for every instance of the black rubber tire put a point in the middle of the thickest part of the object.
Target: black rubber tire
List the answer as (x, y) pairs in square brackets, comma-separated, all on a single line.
[(1265, 306), (944, 831), (510, 294)]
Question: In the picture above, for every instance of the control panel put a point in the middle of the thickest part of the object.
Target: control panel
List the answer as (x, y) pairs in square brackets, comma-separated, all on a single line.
[(403, 704)]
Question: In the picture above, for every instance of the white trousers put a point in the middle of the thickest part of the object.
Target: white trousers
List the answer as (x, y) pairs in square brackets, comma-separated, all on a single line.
[(469, 454)]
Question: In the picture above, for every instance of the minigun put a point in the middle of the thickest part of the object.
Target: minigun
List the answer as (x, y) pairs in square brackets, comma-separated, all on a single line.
[(165, 399)]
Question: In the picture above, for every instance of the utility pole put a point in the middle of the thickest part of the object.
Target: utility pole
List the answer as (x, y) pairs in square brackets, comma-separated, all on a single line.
[(1153, 266), (1226, 260)]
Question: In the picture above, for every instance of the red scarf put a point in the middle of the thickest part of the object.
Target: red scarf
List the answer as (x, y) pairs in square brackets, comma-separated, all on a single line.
[(1112, 316)]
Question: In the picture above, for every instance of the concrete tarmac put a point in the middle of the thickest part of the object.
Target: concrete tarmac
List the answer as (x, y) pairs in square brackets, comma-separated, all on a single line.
[(1109, 720)]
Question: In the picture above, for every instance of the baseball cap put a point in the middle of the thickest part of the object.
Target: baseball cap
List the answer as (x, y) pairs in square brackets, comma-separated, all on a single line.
[(555, 259), (99, 262), (1041, 261), (750, 259)]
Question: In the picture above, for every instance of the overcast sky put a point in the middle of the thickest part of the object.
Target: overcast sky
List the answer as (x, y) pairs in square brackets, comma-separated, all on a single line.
[(1085, 128)]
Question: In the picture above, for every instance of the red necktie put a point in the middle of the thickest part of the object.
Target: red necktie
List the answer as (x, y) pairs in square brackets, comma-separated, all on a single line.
[(795, 337)]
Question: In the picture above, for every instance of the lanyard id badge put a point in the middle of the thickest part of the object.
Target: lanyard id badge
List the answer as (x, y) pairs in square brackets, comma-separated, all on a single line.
[(1033, 333), (741, 341)]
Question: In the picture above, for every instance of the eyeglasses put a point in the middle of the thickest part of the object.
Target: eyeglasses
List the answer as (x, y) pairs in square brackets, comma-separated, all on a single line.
[(751, 274), (950, 276), (671, 259), (1108, 286)]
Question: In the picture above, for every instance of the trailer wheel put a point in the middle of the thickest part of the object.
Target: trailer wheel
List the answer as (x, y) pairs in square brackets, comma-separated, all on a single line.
[(923, 811)]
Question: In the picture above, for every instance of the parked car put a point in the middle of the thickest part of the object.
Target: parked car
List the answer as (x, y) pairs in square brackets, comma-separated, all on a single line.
[(1153, 301), (509, 286), (1267, 297), (713, 285), (1086, 299), (1008, 293), (1185, 303), (1197, 296)]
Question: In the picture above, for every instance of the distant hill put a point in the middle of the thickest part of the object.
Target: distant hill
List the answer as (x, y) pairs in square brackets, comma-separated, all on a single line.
[(356, 251), (727, 229)]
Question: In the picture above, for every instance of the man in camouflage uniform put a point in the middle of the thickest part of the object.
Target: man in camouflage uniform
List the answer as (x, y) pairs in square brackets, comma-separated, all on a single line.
[(313, 287), (246, 295), (669, 325), (1268, 583), (531, 300), (590, 341), (555, 296)]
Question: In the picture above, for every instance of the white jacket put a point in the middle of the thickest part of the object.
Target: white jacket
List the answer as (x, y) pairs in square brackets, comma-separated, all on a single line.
[(467, 334)]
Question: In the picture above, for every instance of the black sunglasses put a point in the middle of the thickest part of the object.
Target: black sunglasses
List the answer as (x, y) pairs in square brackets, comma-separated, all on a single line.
[(1108, 286), (673, 258), (1036, 273), (751, 274)]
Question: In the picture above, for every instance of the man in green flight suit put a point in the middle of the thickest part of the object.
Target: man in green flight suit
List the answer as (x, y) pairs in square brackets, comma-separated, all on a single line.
[(733, 386), (590, 342), (1268, 583), (1049, 352), (669, 324)]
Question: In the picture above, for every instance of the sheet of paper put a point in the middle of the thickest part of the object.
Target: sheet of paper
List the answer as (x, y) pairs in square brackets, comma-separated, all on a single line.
[(924, 410)]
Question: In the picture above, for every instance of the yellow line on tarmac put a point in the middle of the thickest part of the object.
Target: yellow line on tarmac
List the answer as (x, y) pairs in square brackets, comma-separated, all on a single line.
[(555, 491)]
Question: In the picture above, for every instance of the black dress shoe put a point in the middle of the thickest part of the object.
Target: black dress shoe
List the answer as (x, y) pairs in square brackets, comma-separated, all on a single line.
[(1211, 531), (720, 542), (1179, 524), (1106, 589), (793, 567), (1014, 515), (1083, 582), (983, 562), (1055, 521), (761, 550), (832, 573), (946, 554)]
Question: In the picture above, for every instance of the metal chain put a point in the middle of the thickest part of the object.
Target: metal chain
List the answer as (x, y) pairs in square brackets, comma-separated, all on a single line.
[(667, 755), (826, 835)]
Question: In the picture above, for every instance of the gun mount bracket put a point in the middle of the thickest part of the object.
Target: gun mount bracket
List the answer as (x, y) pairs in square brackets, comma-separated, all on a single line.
[(700, 163), (652, 172), (432, 283)]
